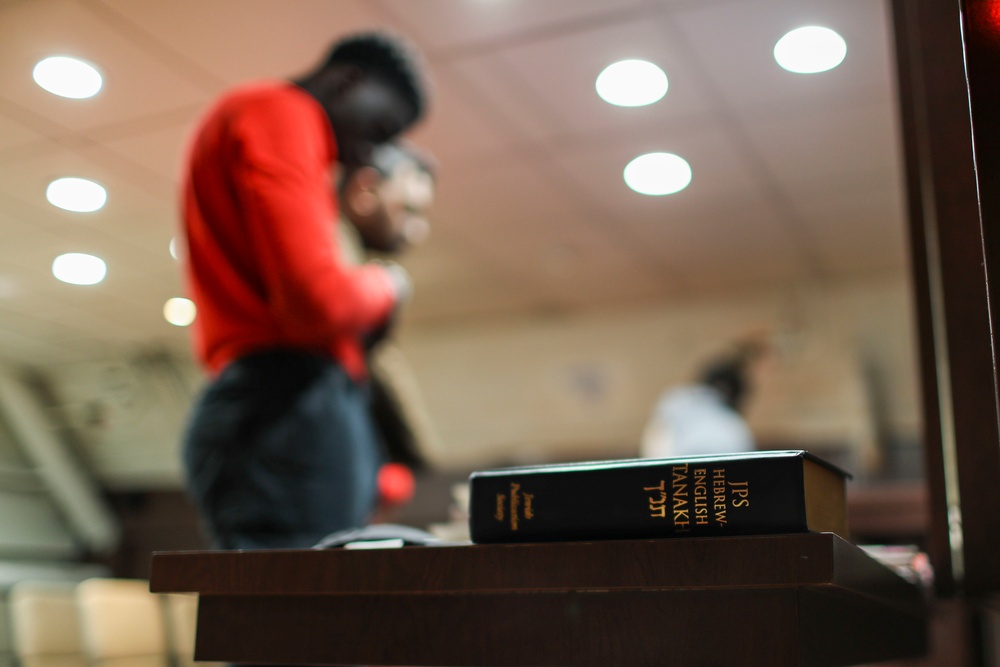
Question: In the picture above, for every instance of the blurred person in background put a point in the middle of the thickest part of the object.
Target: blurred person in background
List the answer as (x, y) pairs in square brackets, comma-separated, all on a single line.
[(705, 417), (384, 204), (280, 449)]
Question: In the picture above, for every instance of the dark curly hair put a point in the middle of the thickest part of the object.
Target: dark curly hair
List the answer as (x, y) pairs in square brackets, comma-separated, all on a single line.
[(386, 55), (386, 157), (726, 376)]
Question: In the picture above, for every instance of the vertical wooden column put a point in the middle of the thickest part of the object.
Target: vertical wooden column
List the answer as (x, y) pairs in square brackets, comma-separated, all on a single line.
[(916, 152), (954, 264), (979, 464)]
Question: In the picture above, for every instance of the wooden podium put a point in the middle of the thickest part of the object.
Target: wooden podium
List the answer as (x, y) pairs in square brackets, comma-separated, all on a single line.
[(772, 601)]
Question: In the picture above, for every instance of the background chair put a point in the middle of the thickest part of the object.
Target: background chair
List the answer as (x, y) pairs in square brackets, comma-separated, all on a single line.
[(182, 618), (122, 623), (45, 624)]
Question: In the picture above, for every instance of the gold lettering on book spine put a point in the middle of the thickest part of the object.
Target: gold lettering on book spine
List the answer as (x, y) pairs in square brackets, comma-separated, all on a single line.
[(529, 510), (501, 504), (700, 487), (719, 495), (657, 499), (740, 492), (680, 488), (515, 503)]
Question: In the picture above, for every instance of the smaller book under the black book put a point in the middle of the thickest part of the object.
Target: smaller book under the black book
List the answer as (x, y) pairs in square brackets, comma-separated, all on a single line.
[(751, 493)]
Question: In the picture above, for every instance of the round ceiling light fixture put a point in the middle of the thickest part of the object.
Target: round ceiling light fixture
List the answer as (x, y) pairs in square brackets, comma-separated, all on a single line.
[(76, 194), (68, 77), (179, 311), (658, 174), (78, 268), (631, 83), (810, 49)]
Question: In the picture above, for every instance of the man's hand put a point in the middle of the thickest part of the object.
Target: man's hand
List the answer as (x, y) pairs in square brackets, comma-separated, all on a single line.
[(403, 289), (401, 282)]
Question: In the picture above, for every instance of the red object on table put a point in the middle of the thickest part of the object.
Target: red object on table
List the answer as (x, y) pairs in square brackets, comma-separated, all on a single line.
[(396, 484)]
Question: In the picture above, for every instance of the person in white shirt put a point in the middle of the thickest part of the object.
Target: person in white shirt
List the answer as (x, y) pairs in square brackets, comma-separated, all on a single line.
[(704, 417)]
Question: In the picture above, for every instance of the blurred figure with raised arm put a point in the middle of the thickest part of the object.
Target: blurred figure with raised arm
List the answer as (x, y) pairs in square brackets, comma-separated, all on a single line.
[(280, 449)]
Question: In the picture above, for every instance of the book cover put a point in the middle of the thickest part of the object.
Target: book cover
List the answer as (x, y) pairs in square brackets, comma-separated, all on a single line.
[(742, 494)]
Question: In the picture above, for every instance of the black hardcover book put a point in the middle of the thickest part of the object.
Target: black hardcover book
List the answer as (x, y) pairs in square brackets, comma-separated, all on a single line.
[(741, 494)]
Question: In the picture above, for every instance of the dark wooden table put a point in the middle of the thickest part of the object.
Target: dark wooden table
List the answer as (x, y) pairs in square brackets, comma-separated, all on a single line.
[(772, 601)]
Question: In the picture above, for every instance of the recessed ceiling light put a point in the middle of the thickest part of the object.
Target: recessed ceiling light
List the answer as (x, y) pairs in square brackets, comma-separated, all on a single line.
[(631, 83), (68, 77), (658, 174), (76, 194), (810, 49), (179, 311), (79, 269)]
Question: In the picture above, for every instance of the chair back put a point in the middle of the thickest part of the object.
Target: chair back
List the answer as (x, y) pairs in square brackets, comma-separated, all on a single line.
[(122, 623), (45, 624)]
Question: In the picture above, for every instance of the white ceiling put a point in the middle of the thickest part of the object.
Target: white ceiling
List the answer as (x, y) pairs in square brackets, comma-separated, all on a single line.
[(795, 177)]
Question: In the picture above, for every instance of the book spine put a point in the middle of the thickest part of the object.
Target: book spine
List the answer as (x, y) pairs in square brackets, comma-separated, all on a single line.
[(734, 497)]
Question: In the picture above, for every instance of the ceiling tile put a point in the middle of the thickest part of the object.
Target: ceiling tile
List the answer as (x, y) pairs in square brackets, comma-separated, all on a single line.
[(719, 173), (723, 226), (239, 40), (531, 215), (16, 135), (159, 151), (734, 44), (448, 25), (455, 113), (136, 82), (559, 98), (27, 180), (441, 259), (832, 148), (859, 229)]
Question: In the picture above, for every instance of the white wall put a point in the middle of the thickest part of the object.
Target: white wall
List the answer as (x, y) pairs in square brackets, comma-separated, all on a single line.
[(581, 386), (541, 389)]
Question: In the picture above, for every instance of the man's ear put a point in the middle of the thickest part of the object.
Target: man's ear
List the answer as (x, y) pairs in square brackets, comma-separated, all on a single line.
[(360, 195), (342, 78)]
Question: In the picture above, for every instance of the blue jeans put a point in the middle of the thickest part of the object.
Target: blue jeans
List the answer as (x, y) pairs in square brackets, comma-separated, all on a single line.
[(280, 451)]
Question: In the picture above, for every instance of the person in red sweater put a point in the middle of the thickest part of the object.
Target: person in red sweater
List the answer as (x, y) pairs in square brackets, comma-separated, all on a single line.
[(279, 449)]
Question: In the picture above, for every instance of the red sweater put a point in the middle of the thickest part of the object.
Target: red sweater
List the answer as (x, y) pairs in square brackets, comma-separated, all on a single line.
[(263, 266)]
